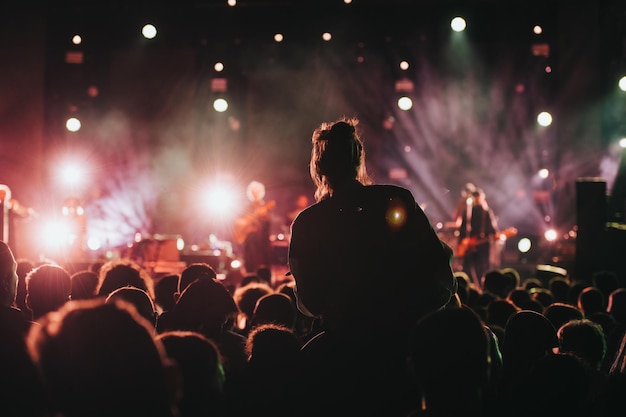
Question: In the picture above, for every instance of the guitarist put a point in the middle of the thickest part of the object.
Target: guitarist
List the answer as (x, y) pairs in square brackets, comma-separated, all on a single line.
[(478, 227), (252, 230)]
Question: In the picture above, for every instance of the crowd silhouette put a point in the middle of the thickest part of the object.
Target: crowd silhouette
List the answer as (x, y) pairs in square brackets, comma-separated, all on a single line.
[(372, 321)]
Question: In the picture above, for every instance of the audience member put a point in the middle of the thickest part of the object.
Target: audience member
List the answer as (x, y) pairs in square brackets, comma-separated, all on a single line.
[(528, 337), (451, 381), (84, 285), (165, 291), (139, 299), (121, 273), (559, 286), (497, 283), (606, 282), (560, 313), (22, 390), (543, 296), (24, 266), (48, 288), (272, 371), (246, 297), (556, 385), (194, 271), (200, 365), (368, 263), (206, 307), (591, 301), (584, 339), (499, 311), (100, 359), (274, 308), (265, 275)]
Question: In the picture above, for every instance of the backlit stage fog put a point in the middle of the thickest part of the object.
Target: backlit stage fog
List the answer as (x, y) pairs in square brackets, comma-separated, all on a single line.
[(522, 103)]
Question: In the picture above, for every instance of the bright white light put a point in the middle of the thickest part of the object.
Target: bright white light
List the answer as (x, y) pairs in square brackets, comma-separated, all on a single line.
[(544, 118), (149, 31), (278, 37), (622, 83), (94, 243), (347, 1), (72, 124), (219, 67), (180, 243), (543, 173), (220, 105), (622, 142), (537, 30), (524, 245), (458, 24), (72, 173), (232, 3), (221, 199), (76, 39), (404, 65), (550, 235), (327, 36), (236, 263), (405, 103), (56, 234)]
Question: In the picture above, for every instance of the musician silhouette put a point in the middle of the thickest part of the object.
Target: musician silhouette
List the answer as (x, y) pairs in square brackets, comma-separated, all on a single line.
[(252, 230), (478, 227)]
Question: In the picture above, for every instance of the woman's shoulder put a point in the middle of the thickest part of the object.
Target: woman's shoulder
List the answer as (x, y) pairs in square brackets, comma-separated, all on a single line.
[(389, 191)]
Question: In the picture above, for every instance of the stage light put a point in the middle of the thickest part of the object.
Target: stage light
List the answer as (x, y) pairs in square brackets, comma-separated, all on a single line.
[(537, 30), (404, 65), (93, 243), (524, 245), (458, 24), (405, 103), (544, 119), (218, 67), (149, 31), (220, 199), (278, 37), (76, 39), (543, 173), (622, 83), (622, 143), (73, 124), (327, 36), (550, 235), (220, 105)]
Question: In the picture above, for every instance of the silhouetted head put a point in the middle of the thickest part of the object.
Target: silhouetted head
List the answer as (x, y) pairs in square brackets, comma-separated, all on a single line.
[(204, 306), (139, 299), (84, 285), (165, 290), (200, 364), (100, 359), (194, 271), (528, 336), (275, 308), (8, 276), (118, 274), (337, 156), (560, 313), (583, 339), (48, 287)]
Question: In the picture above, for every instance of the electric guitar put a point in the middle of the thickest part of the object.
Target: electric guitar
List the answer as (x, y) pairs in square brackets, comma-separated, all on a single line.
[(468, 244), (249, 223)]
